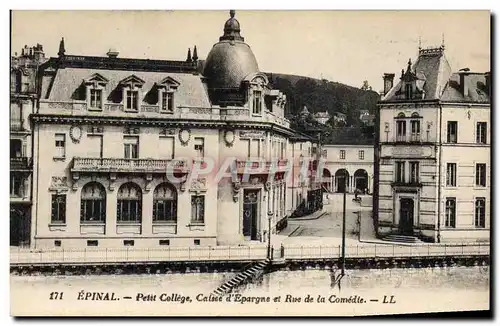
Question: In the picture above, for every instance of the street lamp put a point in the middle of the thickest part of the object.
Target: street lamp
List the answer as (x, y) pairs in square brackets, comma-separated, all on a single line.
[(269, 217), (343, 225)]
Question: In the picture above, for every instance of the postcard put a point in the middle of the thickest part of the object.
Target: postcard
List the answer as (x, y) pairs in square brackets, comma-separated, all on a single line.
[(249, 163)]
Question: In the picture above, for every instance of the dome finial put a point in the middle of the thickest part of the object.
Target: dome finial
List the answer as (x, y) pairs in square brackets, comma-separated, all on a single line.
[(232, 12)]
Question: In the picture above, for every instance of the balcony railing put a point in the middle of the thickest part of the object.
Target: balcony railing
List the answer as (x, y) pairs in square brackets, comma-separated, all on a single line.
[(20, 163), (81, 164), (16, 124), (411, 183), (153, 110), (261, 165)]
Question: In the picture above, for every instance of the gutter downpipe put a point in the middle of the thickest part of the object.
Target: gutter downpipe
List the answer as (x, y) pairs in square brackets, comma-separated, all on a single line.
[(439, 171)]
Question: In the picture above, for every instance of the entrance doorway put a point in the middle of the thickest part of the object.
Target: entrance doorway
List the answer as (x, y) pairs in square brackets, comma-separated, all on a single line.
[(406, 216), (342, 180), (361, 179), (250, 214)]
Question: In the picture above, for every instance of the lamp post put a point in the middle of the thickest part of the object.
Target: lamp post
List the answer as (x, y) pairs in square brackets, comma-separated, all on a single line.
[(269, 217)]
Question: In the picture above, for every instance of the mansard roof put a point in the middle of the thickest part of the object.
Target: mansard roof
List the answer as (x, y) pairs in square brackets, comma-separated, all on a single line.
[(64, 84)]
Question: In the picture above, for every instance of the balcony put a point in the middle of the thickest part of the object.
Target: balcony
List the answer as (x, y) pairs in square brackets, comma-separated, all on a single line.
[(82, 164), (261, 166), (16, 125), (407, 184), (20, 164), (153, 111)]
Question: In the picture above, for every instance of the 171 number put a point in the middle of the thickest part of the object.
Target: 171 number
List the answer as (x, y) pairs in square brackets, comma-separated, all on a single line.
[(56, 295)]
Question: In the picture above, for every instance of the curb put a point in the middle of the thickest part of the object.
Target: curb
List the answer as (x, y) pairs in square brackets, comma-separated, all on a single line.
[(307, 218)]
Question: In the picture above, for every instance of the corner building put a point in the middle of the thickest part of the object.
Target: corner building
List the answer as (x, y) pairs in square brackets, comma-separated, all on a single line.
[(432, 156), (107, 129)]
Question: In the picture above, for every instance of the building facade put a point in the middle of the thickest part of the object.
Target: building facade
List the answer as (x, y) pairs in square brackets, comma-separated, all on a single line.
[(22, 102), (432, 161), (148, 153), (348, 166)]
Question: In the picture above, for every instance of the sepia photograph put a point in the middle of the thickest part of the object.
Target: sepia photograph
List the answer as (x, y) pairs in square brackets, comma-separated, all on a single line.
[(250, 162)]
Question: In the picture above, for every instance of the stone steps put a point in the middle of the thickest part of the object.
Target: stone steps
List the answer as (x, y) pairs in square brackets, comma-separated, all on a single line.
[(401, 238), (242, 277)]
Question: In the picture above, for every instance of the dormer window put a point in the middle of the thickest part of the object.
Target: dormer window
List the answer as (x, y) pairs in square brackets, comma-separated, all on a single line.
[(408, 91), (257, 102), (167, 101), (95, 90), (132, 102), (96, 98), (166, 90), (131, 87)]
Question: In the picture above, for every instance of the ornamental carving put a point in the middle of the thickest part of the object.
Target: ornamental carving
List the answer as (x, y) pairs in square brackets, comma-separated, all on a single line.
[(184, 136), (236, 190), (198, 185), (75, 132), (59, 184), (229, 137), (252, 134), (167, 132)]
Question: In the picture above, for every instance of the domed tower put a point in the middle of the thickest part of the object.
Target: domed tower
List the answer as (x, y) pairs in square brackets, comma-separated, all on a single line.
[(228, 64)]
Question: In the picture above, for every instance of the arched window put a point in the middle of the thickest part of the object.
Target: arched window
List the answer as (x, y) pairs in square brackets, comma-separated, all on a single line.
[(129, 209), (401, 115), (415, 115), (165, 203), (93, 203)]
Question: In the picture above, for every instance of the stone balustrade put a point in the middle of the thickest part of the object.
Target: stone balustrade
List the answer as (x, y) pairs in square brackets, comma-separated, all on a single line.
[(87, 164)]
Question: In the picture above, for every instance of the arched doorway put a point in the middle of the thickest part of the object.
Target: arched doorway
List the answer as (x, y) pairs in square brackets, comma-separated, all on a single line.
[(406, 215), (341, 180), (327, 180), (361, 179)]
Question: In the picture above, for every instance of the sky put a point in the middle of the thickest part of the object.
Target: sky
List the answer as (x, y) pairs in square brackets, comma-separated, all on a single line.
[(342, 46)]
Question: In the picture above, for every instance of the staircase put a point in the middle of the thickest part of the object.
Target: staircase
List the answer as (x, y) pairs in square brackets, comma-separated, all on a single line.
[(247, 274), (401, 238)]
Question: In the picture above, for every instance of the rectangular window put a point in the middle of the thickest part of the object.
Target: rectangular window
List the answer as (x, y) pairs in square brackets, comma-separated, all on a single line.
[(58, 215), (60, 145), (451, 174), (132, 102), (342, 154), (361, 155), (414, 172), (96, 98), (415, 130), (199, 147), (400, 172), (400, 131), (131, 147), (167, 102), (451, 132), (480, 214), (481, 174), (481, 130), (198, 209), (257, 102), (255, 148), (16, 185), (450, 212), (408, 91)]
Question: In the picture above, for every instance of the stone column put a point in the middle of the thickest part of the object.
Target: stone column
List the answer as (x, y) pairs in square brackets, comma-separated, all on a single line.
[(147, 213), (111, 207)]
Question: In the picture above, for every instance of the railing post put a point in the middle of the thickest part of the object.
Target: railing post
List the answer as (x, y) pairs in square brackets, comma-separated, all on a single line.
[(106, 254), (229, 252), (462, 248), (189, 252), (301, 251), (63, 255), (340, 251), (445, 249), (393, 253), (428, 249), (375, 250), (209, 249), (320, 252), (126, 255), (357, 250)]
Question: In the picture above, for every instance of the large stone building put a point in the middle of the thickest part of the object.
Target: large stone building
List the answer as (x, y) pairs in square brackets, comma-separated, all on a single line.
[(117, 143), (22, 102), (432, 161)]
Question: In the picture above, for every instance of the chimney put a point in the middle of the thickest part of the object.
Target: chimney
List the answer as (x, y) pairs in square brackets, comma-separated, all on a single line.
[(38, 53), (464, 88), (112, 53), (388, 82), (487, 77)]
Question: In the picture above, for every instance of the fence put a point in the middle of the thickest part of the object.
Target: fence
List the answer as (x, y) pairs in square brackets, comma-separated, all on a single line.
[(237, 253), (137, 255), (384, 251)]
